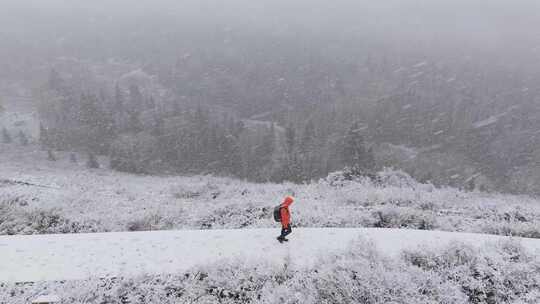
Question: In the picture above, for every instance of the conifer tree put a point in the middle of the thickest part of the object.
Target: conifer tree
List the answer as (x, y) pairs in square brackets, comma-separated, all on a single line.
[(354, 152), (73, 158), (92, 162), (290, 139), (22, 138), (231, 159), (44, 139), (135, 99), (6, 137), (50, 155), (307, 150), (119, 102)]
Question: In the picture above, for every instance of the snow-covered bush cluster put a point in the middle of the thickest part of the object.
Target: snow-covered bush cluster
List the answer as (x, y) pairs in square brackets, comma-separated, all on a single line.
[(456, 274), (65, 197), (505, 273), (15, 220)]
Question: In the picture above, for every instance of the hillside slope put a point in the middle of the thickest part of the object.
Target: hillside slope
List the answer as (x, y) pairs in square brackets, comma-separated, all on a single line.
[(38, 196)]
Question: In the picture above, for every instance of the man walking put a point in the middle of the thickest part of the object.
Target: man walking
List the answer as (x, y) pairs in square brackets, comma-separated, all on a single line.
[(285, 216)]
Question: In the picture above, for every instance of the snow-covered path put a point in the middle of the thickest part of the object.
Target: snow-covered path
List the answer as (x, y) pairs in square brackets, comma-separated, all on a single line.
[(79, 256)]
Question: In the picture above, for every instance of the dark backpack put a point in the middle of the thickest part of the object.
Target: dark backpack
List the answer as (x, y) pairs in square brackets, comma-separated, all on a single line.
[(277, 214)]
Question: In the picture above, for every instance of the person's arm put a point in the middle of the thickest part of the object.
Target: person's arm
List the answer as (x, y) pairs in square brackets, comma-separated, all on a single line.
[(285, 217)]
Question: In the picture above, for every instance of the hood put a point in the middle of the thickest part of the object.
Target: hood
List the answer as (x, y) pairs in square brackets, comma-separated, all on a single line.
[(288, 201)]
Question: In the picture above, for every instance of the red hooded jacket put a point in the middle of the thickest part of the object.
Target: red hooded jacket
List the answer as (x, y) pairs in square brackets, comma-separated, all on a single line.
[(285, 214)]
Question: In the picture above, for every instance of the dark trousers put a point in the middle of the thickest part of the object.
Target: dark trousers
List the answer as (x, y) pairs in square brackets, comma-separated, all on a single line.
[(285, 231)]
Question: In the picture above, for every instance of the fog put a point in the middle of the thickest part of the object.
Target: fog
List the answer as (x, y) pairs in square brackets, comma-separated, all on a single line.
[(284, 90)]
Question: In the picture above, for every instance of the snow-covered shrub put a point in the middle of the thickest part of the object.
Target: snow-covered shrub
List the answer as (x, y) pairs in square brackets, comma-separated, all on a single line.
[(235, 216), (362, 275), (396, 178), (103, 200), (18, 220), (148, 223), (199, 190), (403, 217), (347, 176), (504, 273), (46, 221), (512, 228)]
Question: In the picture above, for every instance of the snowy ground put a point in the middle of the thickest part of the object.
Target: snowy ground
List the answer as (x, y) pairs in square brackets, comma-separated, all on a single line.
[(204, 263), (75, 199), (81, 256)]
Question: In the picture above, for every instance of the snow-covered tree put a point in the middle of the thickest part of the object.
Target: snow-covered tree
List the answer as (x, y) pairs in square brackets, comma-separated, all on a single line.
[(354, 151)]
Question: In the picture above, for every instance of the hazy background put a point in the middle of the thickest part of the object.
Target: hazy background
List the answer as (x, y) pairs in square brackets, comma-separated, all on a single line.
[(448, 91)]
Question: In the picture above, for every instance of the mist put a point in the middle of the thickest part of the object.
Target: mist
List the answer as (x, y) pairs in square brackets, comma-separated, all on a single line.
[(269, 151), (455, 81)]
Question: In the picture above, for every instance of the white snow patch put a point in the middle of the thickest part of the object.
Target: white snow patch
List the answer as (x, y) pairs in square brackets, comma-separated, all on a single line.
[(416, 75), (430, 148), (486, 122), (46, 299), (420, 64), (410, 152)]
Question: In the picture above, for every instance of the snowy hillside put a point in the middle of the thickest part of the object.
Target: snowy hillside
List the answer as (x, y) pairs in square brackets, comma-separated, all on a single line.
[(278, 152), (203, 263), (62, 197)]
